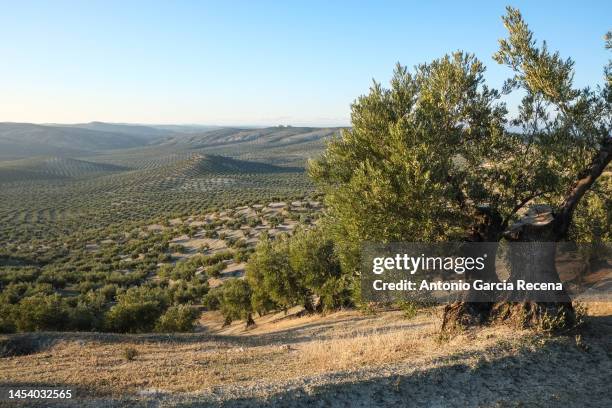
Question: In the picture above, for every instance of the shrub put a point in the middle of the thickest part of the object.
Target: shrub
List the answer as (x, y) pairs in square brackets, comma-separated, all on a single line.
[(241, 255), (130, 353), (177, 319), (212, 300), (108, 291), (181, 249), (132, 317), (236, 301), (271, 276), (290, 270), (85, 316), (410, 309), (41, 312), (7, 321), (214, 271), (188, 292), (137, 310), (312, 256)]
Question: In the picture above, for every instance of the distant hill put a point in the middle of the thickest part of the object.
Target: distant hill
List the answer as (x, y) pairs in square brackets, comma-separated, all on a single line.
[(271, 136), (183, 167), (287, 146), (186, 128), (110, 142), (22, 140), (50, 168), (199, 165), (149, 132)]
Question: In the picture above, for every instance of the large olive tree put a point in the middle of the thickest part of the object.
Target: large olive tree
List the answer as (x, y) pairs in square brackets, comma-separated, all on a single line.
[(437, 156)]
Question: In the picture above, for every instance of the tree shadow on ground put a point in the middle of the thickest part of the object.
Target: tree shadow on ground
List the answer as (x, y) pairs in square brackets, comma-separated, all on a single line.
[(557, 373), (41, 341)]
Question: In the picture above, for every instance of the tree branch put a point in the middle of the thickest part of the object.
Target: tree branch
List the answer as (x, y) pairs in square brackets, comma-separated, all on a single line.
[(585, 180)]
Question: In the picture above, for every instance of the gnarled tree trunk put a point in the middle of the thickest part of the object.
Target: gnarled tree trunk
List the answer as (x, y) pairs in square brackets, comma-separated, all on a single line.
[(532, 255), (548, 226), (475, 308)]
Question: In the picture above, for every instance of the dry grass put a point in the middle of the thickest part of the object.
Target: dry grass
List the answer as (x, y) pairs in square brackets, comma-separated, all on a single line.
[(278, 349), (361, 349)]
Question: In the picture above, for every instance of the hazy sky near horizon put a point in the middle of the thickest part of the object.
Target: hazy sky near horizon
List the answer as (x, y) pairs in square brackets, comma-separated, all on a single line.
[(252, 62)]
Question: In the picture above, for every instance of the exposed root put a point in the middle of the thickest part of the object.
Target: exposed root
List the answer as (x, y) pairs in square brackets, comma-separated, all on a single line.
[(549, 317), (460, 315)]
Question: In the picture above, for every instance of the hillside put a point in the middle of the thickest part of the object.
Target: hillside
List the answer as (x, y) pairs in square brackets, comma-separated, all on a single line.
[(278, 145), (22, 140), (271, 136), (150, 132), (110, 141), (343, 359), (201, 164), (47, 195), (47, 168)]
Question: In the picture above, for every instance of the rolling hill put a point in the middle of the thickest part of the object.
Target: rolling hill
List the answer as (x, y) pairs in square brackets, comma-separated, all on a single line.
[(271, 136), (22, 140), (110, 141), (144, 131), (288, 146), (198, 165), (48, 168), (58, 179)]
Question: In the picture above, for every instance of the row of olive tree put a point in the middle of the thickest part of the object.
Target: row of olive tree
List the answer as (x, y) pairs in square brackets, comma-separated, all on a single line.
[(138, 309)]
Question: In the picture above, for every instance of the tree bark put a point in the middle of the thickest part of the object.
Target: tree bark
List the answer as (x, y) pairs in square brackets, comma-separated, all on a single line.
[(548, 226), (476, 307), (249, 321), (532, 254), (563, 218)]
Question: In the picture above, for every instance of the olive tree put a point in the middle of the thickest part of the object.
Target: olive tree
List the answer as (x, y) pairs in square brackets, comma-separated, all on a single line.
[(437, 156)]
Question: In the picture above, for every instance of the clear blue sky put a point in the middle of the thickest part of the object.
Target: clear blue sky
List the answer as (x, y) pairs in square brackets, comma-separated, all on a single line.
[(251, 62)]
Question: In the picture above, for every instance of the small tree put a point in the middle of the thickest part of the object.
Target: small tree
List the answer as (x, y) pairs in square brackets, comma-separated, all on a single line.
[(271, 276), (176, 319), (313, 259), (137, 310), (236, 302), (41, 313)]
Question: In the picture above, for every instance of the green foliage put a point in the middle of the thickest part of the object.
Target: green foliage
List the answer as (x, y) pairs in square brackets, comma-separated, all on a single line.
[(7, 318), (43, 312), (88, 313), (137, 310), (212, 300), (409, 309), (187, 292), (291, 270), (425, 155), (405, 148), (271, 277), (235, 300), (176, 319), (592, 221), (313, 258), (214, 271)]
